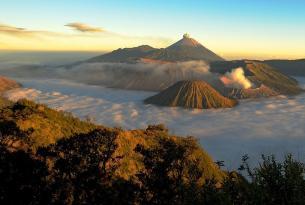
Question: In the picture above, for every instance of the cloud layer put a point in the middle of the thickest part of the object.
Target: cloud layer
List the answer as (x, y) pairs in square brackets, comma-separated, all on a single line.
[(253, 127), (84, 27), (139, 76), (19, 38), (15, 31)]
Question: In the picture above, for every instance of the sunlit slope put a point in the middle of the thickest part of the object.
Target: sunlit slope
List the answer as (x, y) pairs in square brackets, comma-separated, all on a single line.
[(191, 94), (7, 84), (272, 78), (39, 125), (28, 126), (186, 49)]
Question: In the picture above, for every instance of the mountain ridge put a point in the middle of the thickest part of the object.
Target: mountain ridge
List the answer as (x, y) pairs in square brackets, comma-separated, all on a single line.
[(186, 49)]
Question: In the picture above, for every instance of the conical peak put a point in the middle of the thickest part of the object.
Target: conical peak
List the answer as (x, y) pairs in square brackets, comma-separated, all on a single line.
[(186, 41), (186, 35)]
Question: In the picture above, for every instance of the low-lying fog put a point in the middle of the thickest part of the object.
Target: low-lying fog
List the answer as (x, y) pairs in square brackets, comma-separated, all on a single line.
[(270, 126)]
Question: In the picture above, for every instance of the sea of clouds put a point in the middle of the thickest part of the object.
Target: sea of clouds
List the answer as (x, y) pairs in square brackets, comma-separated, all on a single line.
[(262, 126), (133, 76)]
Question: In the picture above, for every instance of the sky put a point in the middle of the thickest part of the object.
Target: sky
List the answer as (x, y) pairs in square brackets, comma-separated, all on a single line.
[(234, 29)]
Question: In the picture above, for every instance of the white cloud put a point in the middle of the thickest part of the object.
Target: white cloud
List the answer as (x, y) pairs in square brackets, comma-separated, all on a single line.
[(85, 27), (253, 127)]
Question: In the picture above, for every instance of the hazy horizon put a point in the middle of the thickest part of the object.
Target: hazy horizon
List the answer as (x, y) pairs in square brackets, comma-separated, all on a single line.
[(234, 30)]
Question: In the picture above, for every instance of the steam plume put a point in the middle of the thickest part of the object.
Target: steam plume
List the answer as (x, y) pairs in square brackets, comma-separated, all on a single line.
[(236, 78)]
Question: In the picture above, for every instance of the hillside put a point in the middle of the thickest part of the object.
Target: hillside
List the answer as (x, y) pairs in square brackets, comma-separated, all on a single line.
[(28, 126), (7, 84), (39, 125), (186, 49), (124, 55), (191, 94)]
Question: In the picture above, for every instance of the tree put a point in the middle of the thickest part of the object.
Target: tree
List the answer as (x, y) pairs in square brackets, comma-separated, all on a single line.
[(23, 179), (170, 175), (83, 167)]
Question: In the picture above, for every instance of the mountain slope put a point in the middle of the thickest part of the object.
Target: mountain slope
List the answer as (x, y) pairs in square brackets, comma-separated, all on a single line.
[(124, 55), (7, 84), (272, 78), (191, 94), (37, 125), (260, 74), (186, 49), (27, 126)]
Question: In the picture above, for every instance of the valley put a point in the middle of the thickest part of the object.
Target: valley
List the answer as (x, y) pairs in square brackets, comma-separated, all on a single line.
[(253, 127)]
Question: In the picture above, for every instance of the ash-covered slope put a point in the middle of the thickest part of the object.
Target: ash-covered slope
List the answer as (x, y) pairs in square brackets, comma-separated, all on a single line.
[(237, 93), (186, 49), (191, 94)]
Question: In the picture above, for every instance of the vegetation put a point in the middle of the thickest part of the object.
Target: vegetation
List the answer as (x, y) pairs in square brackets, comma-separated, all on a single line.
[(7, 84), (89, 164), (37, 125)]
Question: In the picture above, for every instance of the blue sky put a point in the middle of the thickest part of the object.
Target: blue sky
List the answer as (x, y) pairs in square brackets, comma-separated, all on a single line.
[(270, 28)]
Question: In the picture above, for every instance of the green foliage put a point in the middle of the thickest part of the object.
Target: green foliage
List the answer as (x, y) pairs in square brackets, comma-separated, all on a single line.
[(39, 124), (277, 182), (89, 164), (169, 172), (82, 168)]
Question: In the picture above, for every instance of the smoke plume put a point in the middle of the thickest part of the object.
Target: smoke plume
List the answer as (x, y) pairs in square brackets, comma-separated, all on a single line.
[(236, 78)]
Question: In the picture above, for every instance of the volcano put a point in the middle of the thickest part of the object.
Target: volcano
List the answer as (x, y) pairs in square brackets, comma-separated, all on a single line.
[(191, 94), (186, 49), (266, 80)]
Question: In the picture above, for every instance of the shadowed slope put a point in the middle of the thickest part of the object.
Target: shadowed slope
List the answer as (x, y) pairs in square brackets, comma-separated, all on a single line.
[(124, 55), (191, 94)]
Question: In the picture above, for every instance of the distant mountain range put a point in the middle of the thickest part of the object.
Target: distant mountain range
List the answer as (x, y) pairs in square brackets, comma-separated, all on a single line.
[(186, 49), (289, 67), (195, 85)]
